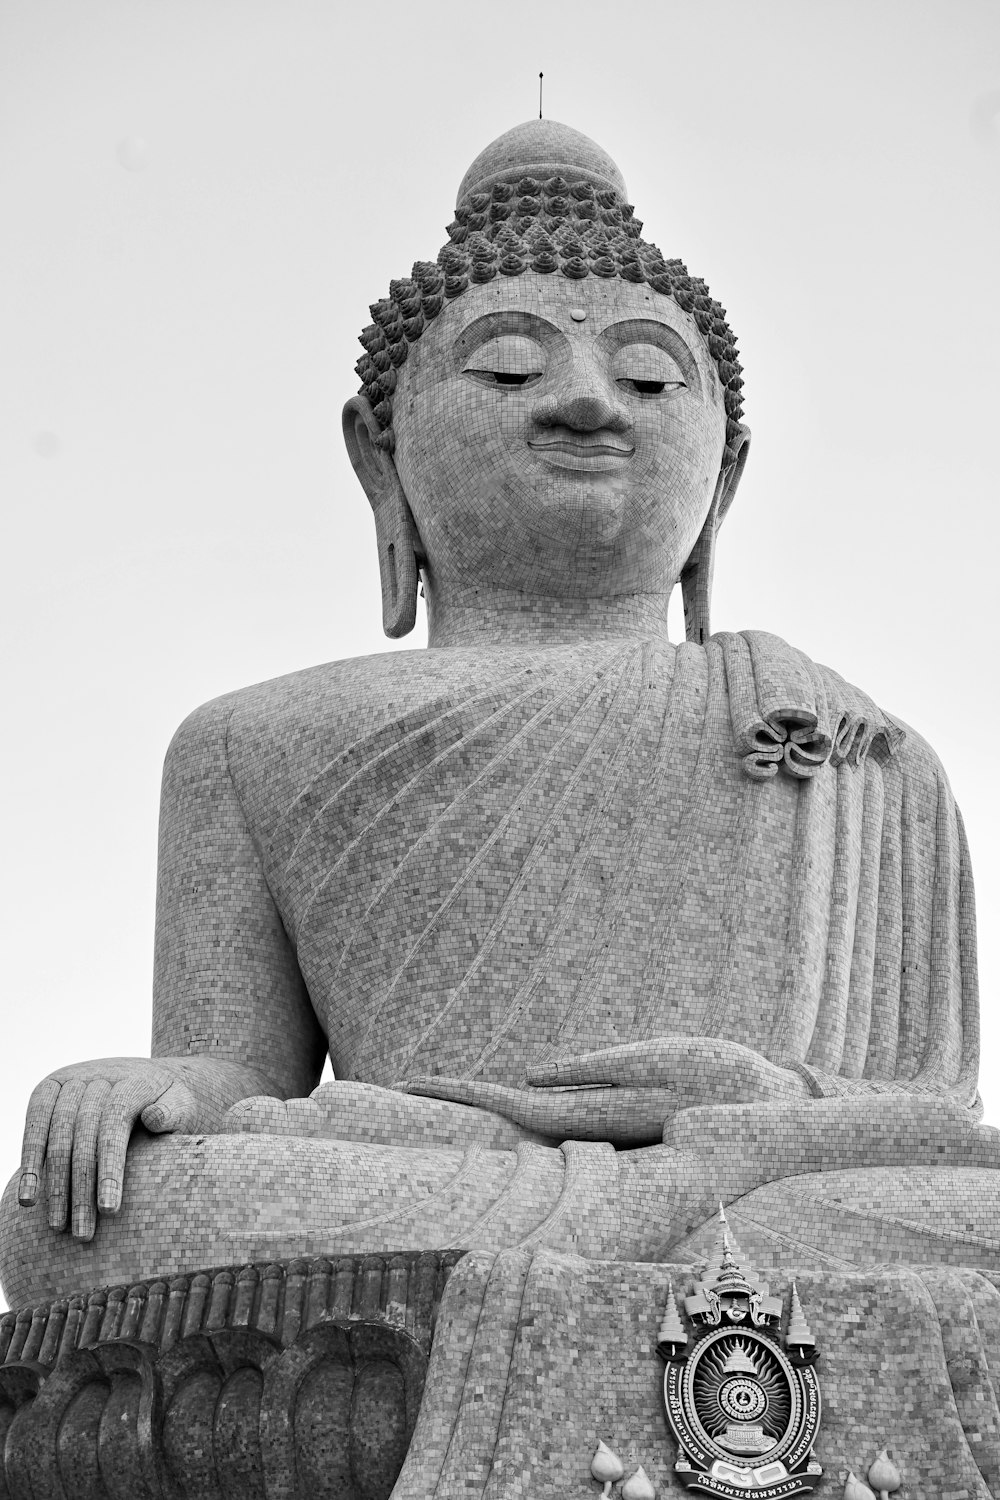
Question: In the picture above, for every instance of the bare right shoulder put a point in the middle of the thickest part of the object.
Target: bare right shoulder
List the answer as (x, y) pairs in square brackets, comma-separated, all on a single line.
[(267, 740), (325, 696), (271, 739)]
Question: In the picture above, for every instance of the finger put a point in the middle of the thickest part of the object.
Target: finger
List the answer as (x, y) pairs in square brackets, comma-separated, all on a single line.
[(633, 1063), (36, 1136), (174, 1110), (59, 1156), (497, 1097), (263, 1115), (623, 1116), (626, 1116), (533, 1109), (759, 1078), (88, 1120), (126, 1103)]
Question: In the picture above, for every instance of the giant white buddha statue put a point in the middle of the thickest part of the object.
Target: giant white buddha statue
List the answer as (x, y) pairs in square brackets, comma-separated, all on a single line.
[(595, 927)]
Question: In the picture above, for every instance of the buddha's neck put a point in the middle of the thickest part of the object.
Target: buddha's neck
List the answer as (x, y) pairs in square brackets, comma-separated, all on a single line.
[(499, 617)]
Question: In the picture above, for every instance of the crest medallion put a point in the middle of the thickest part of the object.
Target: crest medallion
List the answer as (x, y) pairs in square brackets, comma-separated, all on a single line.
[(742, 1398)]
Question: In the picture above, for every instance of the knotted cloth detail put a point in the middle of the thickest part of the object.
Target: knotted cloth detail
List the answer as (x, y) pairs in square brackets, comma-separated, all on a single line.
[(790, 714)]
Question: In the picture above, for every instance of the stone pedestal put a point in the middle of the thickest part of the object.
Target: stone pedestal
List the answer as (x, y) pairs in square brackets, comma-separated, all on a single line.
[(305, 1379)]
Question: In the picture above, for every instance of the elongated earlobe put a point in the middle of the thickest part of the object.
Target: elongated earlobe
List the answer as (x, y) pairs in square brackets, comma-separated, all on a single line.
[(696, 575), (397, 565), (395, 532), (696, 582)]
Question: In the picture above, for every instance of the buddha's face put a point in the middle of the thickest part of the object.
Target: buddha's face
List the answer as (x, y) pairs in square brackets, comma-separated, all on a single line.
[(559, 437)]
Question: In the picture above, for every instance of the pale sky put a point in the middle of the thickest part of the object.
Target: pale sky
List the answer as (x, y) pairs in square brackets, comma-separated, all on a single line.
[(201, 198)]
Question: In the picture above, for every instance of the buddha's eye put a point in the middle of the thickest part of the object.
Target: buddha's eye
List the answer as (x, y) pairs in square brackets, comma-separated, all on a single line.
[(510, 362), (646, 370)]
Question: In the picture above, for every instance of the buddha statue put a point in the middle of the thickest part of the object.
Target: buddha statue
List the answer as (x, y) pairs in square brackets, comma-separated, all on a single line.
[(596, 928)]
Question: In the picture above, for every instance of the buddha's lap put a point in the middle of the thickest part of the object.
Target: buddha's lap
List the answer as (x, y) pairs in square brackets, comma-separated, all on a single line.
[(865, 1216), (193, 1202), (197, 1201)]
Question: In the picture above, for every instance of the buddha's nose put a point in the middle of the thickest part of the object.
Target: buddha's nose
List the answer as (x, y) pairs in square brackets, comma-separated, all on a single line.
[(585, 404)]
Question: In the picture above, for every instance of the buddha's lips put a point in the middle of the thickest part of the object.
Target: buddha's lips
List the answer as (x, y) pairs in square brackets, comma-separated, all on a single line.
[(581, 448)]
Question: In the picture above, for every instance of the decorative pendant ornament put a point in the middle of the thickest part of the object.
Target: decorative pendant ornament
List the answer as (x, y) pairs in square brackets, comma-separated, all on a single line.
[(742, 1402), (607, 1468), (639, 1487), (883, 1476)]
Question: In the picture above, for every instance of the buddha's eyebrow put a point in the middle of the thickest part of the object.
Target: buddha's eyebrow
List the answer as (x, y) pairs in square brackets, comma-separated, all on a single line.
[(646, 331), (495, 324)]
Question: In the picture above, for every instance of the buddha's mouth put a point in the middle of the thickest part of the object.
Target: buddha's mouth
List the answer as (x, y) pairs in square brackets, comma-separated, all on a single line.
[(583, 452)]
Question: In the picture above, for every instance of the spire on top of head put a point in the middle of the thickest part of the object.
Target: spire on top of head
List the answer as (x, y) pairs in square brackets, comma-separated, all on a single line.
[(540, 149)]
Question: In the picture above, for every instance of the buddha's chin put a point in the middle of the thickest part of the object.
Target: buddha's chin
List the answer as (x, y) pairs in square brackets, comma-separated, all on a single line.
[(591, 512)]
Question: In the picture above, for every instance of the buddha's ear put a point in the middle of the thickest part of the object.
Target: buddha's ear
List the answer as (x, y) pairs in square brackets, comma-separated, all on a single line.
[(733, 472), (697, 573), (395, 532)]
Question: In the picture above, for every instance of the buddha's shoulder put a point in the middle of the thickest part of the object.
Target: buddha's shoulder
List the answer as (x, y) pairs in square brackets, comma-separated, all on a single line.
[(358, 690), (377, 686), (915, 759), (319, 710), (775, 689), (898, 745), (292, 723)]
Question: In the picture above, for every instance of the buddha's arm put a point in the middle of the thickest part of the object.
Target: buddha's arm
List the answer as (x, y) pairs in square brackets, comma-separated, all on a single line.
[(231, 1016), (226, 984), (711, 1070), (626, 1094)]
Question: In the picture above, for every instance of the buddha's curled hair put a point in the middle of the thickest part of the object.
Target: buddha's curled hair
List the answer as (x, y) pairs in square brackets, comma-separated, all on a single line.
[(546, 226)]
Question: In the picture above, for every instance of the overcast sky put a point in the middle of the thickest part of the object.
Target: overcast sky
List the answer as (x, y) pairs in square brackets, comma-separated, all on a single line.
[(200, 198)]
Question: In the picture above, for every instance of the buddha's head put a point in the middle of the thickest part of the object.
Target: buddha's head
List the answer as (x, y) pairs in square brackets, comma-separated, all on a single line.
[(551, 411)]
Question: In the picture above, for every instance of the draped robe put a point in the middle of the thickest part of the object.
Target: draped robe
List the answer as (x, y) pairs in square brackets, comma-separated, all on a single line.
[(464, 863), (487, 859)]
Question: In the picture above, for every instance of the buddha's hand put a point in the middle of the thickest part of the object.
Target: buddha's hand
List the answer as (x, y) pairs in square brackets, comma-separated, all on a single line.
[(80, 1119), (625, 1094), (624, 1116), (696, 1070)]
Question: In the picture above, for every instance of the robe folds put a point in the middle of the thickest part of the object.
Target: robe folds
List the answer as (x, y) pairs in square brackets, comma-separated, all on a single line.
[(487, 860), (455, 866)]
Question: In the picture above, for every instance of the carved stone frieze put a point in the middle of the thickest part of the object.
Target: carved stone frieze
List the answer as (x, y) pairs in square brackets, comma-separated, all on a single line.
[(294, 1379)]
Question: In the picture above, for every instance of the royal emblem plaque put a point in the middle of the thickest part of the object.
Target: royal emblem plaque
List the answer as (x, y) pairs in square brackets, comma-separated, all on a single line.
[(742, 1399)]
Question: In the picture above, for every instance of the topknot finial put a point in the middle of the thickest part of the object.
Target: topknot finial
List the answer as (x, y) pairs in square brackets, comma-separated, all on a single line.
[(540, 149)]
